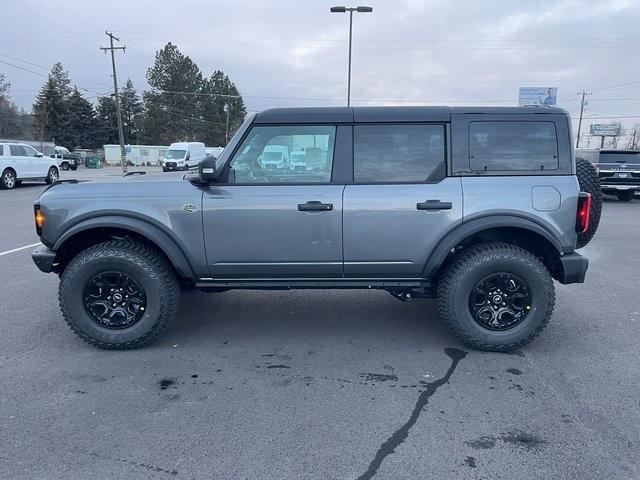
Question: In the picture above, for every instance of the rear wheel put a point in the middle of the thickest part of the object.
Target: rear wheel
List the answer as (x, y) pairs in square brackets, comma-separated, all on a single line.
[(52, 175), (8, 179), (625, 196), (120, 294), (590, 183), (496, 296)]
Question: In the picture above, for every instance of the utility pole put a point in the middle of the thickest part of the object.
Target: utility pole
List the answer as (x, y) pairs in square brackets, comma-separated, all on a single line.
[(226, 133), (112, 49), (582, 105)]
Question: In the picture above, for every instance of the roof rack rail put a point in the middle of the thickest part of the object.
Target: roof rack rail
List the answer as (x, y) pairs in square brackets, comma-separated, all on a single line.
[(135, 172)]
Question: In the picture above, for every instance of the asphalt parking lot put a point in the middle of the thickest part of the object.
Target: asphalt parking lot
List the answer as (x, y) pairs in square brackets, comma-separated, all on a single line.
[(321, 384)]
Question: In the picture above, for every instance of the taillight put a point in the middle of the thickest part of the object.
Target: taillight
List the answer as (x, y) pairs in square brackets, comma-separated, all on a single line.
[(582, 215), (38, 218)]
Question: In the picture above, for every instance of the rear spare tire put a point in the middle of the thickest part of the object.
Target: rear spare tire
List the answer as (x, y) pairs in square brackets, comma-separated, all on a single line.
[(590, 183)]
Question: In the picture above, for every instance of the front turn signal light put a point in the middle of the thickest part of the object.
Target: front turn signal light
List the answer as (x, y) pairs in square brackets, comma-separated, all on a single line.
[(38, 218)]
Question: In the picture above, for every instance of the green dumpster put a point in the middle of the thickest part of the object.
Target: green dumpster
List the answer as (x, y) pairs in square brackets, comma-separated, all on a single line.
[(92, 161)]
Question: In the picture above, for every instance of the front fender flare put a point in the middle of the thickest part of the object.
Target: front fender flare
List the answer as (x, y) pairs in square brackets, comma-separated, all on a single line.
[(153, 233), (466, 229)]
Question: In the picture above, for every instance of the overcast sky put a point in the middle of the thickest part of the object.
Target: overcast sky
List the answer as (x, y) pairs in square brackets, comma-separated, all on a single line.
[(294, 53)]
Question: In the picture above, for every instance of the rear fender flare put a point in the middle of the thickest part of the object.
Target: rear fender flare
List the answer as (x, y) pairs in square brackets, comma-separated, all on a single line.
[(458, 234)]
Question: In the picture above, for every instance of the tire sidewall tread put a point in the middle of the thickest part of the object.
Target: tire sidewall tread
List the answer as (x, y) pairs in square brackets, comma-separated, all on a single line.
[(147, 266), (467, 268)]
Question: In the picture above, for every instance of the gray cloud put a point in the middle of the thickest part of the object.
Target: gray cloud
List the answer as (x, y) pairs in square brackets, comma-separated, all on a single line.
[(286, 53)]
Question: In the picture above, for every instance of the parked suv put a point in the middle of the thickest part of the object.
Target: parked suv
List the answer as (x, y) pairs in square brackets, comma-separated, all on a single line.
[(66, 160), (19, 162), (619, 172), (480, 207)]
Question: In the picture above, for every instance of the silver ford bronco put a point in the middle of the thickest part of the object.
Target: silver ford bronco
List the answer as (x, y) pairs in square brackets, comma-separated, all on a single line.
[(480, 207)]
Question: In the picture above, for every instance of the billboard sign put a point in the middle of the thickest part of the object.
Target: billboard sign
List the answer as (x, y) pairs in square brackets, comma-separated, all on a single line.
[(537, 96), (605, 129)]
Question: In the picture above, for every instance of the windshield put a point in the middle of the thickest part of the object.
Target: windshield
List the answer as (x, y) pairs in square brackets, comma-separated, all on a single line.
[(620, 157), (175, 154)]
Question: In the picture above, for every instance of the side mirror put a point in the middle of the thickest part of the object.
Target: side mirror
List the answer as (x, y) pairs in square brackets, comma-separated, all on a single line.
[(207, 170), (38, 154)]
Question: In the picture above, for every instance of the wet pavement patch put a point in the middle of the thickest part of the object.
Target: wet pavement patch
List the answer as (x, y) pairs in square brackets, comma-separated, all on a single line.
[(278, 366), (517, 438), (378, 377), (514, 371), (470, 462), (482, 443), (402, 433), (166, 383)]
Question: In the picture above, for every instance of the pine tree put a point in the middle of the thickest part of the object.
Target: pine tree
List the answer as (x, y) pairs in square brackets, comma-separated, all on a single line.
[(220, 91), (9, 122), (175, 81), (131, 109), (82, 121), (106, 122), (50, 111)]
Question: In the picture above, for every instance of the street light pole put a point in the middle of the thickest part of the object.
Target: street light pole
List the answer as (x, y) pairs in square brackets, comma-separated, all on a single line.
[(349, 76), (360, 9)]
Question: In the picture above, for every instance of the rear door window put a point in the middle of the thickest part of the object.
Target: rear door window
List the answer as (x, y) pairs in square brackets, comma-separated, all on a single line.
[(398, 153), (17, 150), (513, 146)]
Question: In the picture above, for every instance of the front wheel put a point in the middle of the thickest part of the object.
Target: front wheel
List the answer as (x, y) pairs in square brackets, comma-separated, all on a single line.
[(625, 196), (120, 294), (52, 175), (496, 296), (64, 166)]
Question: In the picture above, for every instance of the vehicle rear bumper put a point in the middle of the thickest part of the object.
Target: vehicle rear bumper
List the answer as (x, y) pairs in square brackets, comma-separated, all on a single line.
[(621, 187), (574, 268), (44, 258)]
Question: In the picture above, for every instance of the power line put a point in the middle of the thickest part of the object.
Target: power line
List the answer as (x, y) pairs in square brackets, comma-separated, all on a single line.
[(47, 68)]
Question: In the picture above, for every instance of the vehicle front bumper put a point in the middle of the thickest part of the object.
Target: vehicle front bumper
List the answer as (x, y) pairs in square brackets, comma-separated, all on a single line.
[(44, 258), (574, 268), (173, 166)]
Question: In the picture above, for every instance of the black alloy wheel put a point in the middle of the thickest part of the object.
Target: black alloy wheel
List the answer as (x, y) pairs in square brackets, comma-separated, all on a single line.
[(114, 300), (500, 301)]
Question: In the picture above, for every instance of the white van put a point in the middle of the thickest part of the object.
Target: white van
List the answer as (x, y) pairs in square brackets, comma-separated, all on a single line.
[(183, 155)]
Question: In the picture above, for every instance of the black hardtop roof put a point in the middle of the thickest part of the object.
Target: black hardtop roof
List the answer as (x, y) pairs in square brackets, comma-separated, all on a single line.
[(386, 114)]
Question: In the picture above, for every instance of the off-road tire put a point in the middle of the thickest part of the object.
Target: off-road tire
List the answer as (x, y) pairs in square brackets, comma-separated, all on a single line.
[(140, 261), (470, 266), (8, 179), (625, 196), (52, 175), (590, 183)]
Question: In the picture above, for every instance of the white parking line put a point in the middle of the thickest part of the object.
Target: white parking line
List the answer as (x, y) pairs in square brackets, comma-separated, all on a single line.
[(19, 248)]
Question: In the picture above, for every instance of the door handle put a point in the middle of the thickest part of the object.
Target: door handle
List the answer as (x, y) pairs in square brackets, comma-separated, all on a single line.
[(433, 205), (315, 206)]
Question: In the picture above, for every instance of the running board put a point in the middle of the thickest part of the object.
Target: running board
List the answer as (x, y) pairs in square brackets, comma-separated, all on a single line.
[(290, 283)]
